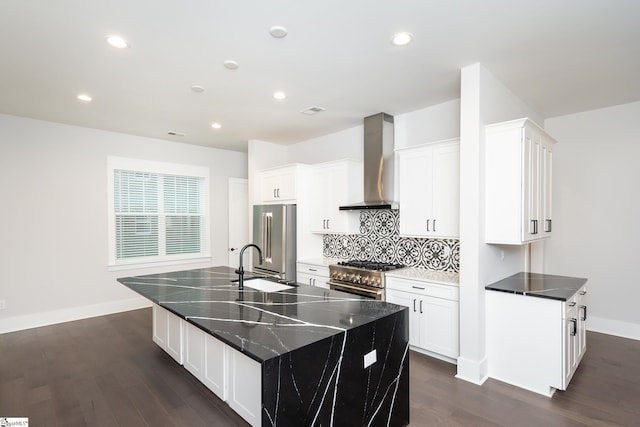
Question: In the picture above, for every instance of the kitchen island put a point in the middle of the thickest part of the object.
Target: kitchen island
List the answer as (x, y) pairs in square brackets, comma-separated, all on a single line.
[(321, 357)]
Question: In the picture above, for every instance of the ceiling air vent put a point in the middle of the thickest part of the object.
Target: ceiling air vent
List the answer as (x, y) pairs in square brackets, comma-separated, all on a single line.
[(176, 133), (312, 110)]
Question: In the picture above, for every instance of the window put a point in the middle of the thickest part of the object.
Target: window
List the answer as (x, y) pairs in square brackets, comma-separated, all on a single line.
[(158, 213)]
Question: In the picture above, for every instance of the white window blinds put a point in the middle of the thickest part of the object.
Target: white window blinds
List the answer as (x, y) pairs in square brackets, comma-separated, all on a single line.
[(157, 216)]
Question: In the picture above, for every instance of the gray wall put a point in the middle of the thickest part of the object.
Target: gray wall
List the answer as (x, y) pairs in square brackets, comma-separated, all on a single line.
[(596, 209), (53, 217)]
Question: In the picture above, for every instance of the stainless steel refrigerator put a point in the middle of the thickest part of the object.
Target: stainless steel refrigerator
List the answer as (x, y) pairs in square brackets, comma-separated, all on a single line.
[(274, 230)]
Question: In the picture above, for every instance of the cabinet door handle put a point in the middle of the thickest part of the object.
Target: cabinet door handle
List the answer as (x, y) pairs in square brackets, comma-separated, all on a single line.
[(574, 324), (572, 304), (310, 281), (417, 287), (274, 193), (328, 224), (312, 269), (278, 193), (414, 305), (434, 225), (428, 224), (534, 227), (584, 308), (548, 226), (420, 306), (582, 292)]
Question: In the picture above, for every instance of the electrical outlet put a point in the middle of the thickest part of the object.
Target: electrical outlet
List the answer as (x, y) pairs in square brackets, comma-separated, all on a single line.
[(370, 358), (3, 304)]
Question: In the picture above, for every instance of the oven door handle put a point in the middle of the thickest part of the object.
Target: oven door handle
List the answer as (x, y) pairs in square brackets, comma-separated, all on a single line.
[(377, 294)]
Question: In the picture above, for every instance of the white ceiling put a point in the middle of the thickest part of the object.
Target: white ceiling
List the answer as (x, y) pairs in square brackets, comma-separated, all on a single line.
[(560, 57)]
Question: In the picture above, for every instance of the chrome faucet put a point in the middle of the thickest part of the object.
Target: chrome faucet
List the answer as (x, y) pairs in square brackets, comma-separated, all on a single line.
[(240, 270)]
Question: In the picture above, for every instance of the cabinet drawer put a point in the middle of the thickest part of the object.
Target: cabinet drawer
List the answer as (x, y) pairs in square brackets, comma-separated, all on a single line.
[(313, 269), (423, 288)]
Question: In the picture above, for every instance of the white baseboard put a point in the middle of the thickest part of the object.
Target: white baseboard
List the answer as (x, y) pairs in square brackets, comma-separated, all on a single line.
[(35, 320), (614, 327), (473, 371), (434, 355)]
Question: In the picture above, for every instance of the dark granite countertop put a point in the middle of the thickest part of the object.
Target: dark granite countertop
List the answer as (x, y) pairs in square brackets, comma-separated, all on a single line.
[(539, 285), (262, 325)]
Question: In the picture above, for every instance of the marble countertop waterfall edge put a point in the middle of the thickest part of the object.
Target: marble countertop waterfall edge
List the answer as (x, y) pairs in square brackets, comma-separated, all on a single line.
[(262, 325)]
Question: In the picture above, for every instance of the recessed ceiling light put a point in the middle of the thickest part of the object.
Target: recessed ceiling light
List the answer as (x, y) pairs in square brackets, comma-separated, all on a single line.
[(84, 97), (279, 95), (197, 88), (401, 39), (117, 42), (231, 65), (278, 32), (216, 125)]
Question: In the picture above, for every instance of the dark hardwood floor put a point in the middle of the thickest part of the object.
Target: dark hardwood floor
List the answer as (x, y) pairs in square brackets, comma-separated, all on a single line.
[(106, 371)]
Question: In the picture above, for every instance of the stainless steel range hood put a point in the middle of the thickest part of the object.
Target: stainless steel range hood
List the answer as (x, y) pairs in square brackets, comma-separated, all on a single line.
[(378, 164)]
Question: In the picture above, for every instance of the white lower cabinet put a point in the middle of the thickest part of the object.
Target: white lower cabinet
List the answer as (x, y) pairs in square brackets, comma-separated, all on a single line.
[(215, 366), (535, 343), (234, 377), (313, 275), (167, 332), (244, 382), (575, 334), (194, 350), (433, 314)]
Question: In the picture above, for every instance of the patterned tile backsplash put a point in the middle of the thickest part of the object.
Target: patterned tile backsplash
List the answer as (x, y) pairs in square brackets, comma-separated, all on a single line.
[(379, 240)]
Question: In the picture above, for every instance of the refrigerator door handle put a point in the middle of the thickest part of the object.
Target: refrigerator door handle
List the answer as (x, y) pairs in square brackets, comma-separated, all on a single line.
[(269, 229)]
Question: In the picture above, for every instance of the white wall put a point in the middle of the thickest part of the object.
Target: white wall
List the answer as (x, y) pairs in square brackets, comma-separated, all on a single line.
[(339, 145), (434, 123), (53, 217), (484, 100), (597, 212)]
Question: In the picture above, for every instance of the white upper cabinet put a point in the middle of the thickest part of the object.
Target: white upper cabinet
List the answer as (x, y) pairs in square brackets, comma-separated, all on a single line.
[(518, 168), (280, 185), (335, 184), (429, 190)]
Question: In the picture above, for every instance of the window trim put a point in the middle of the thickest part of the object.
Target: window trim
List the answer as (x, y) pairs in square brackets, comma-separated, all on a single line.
[(163, 168)]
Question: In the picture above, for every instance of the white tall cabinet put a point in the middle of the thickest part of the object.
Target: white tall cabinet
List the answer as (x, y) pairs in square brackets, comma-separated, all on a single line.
[(429, 189), (518, 180)]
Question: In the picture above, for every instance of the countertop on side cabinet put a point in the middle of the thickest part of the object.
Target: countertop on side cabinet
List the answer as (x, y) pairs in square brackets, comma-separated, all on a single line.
[(263, 325), (431, 276), (539, 285)]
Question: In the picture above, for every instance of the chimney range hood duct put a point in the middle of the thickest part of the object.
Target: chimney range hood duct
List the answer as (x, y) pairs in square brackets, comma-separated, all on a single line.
[(378, 164)]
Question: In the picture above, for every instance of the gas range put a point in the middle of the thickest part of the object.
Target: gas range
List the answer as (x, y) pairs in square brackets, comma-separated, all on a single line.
[(364, 278)]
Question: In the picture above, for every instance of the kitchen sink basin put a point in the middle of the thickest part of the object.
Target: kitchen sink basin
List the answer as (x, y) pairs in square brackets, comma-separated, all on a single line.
[(265, 285)]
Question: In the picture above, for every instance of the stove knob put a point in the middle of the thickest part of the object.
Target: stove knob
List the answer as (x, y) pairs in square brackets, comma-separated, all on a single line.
[(357, 279), (378, 281), (365, 280)]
